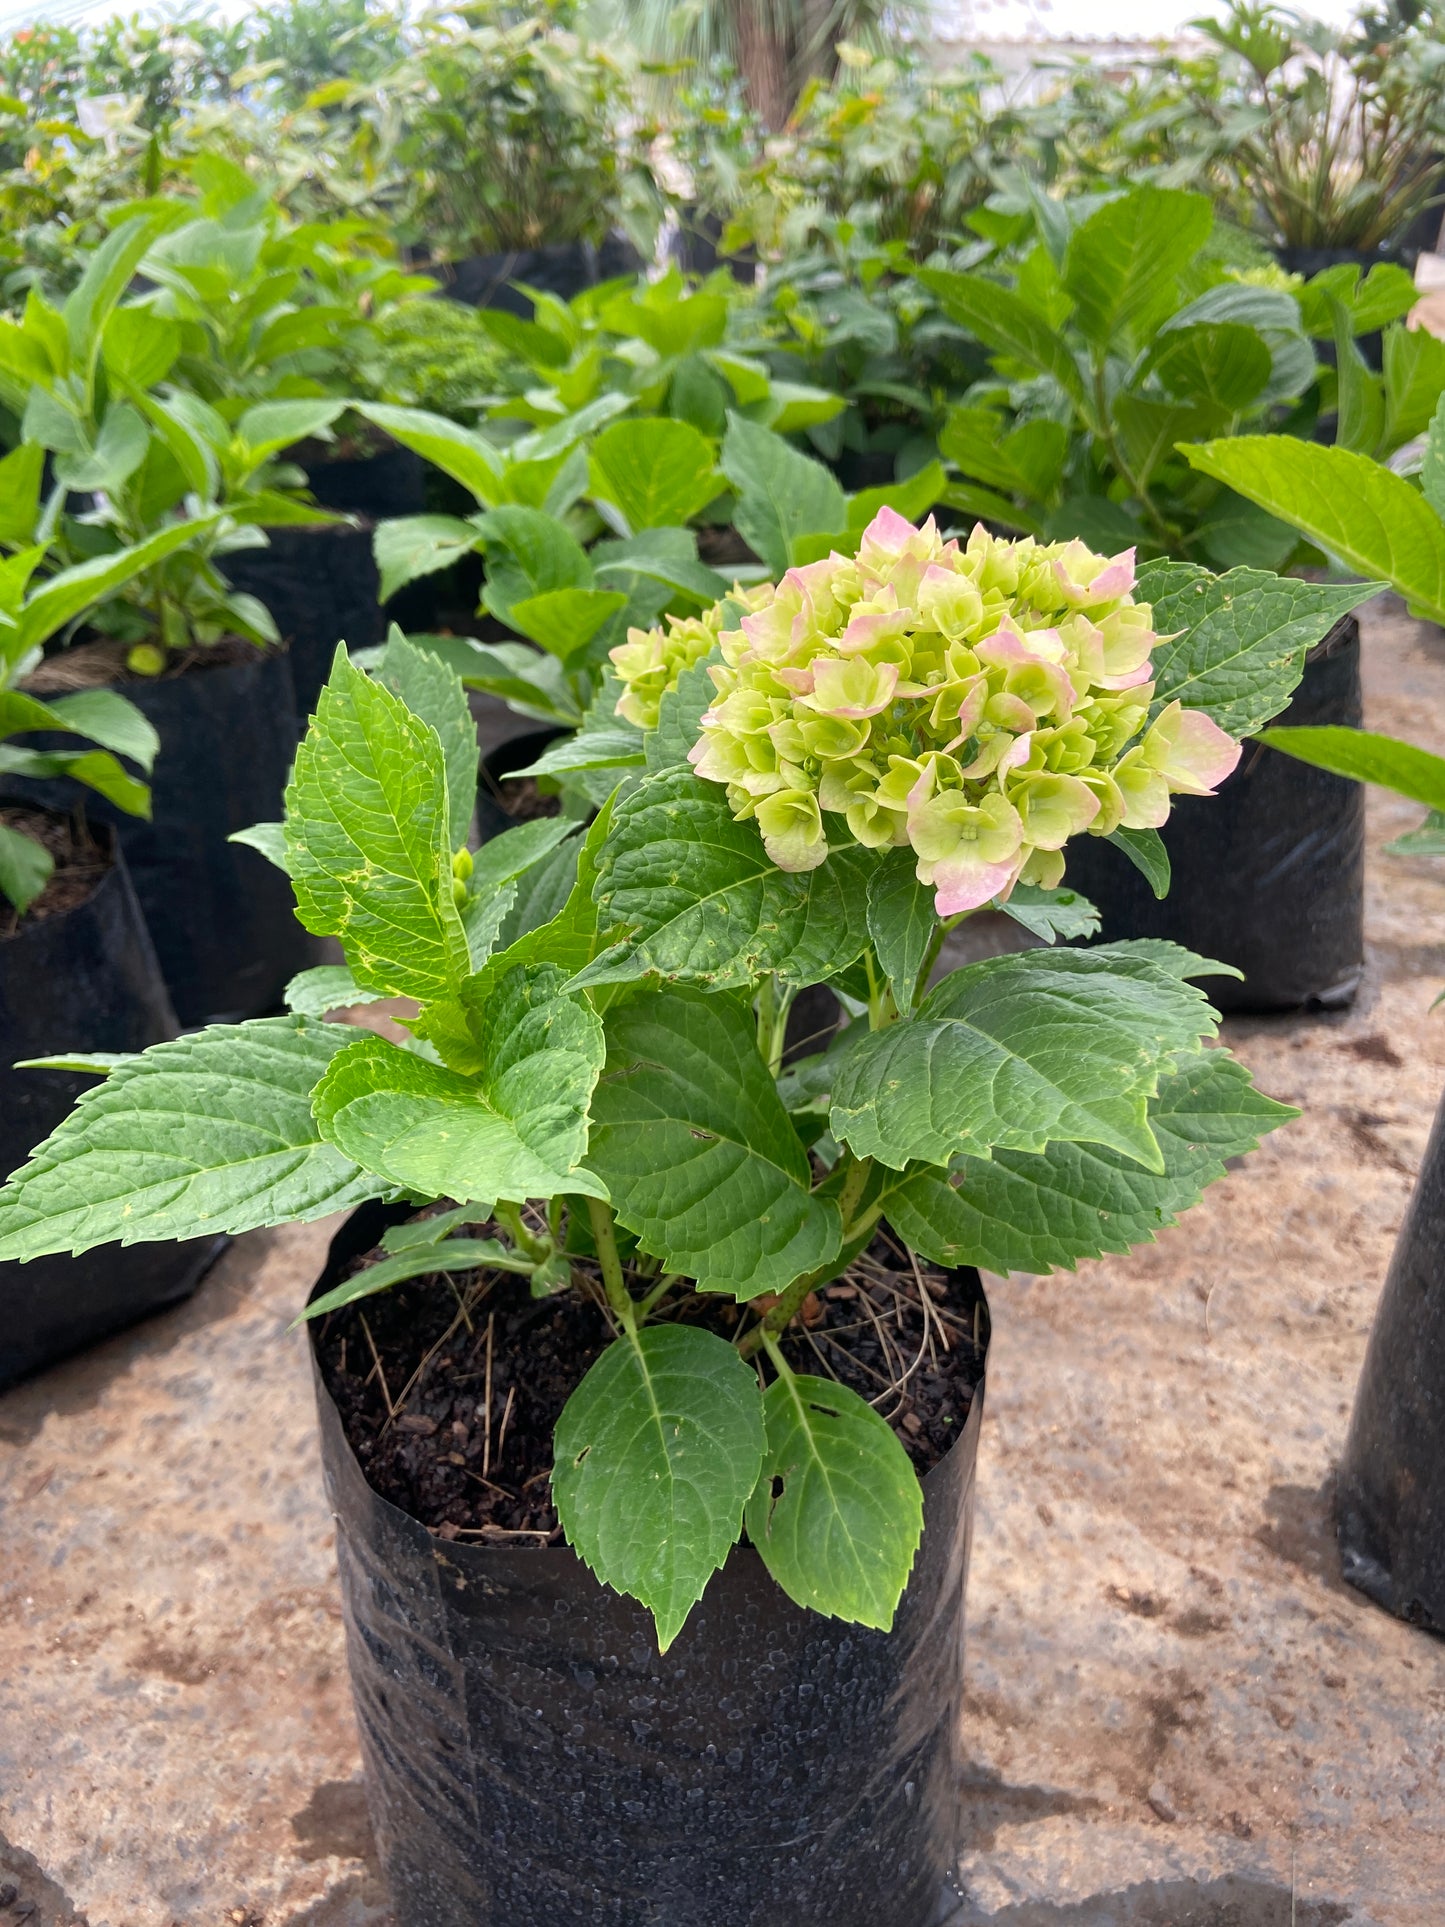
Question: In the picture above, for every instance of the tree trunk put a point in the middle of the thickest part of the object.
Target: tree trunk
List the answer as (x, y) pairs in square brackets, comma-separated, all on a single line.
[(764, 59)]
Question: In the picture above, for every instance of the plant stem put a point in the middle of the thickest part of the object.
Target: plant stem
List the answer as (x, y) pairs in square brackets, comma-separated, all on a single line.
[(855, 1182), (605, 1238), (659, 1291), (511, 1216), (774, 1003)]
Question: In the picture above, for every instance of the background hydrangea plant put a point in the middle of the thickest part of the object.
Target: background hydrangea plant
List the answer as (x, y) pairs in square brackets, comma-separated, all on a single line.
[(600, 1083)]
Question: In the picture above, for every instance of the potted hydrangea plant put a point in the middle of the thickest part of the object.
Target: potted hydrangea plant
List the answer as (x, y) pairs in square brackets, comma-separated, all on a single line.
[(650, 1371)]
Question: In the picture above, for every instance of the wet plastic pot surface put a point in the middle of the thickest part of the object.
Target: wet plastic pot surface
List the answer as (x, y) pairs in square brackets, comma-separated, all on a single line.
[(531, 1759), (1391, 1491), (86, 979), (1269, 874)]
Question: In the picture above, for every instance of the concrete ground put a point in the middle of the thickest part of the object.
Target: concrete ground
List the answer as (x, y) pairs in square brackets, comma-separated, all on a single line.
[(1179, 1715)]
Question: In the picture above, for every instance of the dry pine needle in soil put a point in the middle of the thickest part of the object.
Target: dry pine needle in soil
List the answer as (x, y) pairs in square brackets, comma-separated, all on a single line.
[(449, 1389)]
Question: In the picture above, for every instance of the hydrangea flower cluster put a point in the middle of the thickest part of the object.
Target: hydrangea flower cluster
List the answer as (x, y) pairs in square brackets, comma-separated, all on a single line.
[(980, 704), (649, 663)]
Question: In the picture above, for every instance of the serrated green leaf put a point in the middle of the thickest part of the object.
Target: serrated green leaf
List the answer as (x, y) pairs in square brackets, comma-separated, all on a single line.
[(311, 993), (1004, 323), (1367, 757), (679, 715), (434, 694), (467, 457), (410, 546), (1016, 1212), (516, 1130), (368, 839), (1414, 362), (519, 675), (1052, 914), (1353, 508), (657, 1452), (611, 746), (563, 621), (901, 922), (694, 1145), (210, 1133), (1235, 644), (1432, 462), (1224, 363), (782, 494), (1123, 263), (657, 473), (837, 1513), (1019, 1051), (704, 902)]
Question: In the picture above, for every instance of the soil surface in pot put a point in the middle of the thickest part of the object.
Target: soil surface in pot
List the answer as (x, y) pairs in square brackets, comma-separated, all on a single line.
[(81, 864), (101, 664), (519, 797), (449, 1389)]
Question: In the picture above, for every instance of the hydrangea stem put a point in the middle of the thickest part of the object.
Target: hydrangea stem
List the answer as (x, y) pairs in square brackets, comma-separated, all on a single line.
[(604, 1236)]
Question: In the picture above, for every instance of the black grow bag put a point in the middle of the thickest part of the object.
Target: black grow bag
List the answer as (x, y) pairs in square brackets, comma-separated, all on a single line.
[(530, 1760), (391, 482), (1268, 875), (221, 917), (1392, 1477), (85, 979), (564, 270), (321, 586)]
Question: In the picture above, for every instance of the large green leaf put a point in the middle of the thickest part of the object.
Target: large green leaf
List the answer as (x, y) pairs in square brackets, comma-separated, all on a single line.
[(837, 1513), (657, 1452), (529, 681), (697, 1151), (782, 494), (1367, 757), (107, 718), (1225, 363), (434, 694), (1005, 323), (97, 769), (1273, 314), (705, 903), (1373, 520), (417, 545), (517, 1130), (210, 1133), (1016, 1212), (562, 621), (1018, 1051), (368, 839), (1235, 644), (467, 457), (1123, 263), (70, 592), (1414, 382), (656, 473)]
